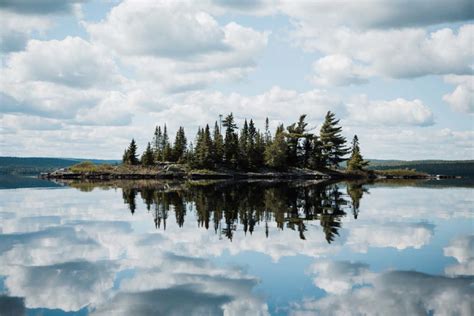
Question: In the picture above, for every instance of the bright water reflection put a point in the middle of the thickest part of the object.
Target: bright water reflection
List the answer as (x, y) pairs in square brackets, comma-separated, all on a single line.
[(144, 248)]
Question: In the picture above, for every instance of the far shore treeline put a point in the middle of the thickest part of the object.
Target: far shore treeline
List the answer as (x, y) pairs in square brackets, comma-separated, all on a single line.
[(225, 146)]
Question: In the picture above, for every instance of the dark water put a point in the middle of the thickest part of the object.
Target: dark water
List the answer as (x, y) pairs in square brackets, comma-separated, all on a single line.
[(245, 248)]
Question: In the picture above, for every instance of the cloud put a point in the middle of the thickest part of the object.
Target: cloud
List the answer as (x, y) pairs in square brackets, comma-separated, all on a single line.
[(391, 293), (383, 14), (462, 249), (337, 70), (15, 30), (462, 98), (398, 112), (72, 62), (38, 7), (396, 235), (68, 286), (177, 45), (413, 52)]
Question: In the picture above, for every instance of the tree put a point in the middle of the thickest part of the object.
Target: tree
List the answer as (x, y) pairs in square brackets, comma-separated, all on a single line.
[(244, 146), (130, 154), (231, 142), (276, 152), (297, 155), (356, 161), (166, 146), (218, 142), (157, 143), (179, 148), (332, 142), (203, 151), (147, 156), (268, 134)]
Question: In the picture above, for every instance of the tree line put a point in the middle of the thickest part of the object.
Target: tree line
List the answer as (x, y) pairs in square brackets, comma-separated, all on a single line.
[(252, 149)]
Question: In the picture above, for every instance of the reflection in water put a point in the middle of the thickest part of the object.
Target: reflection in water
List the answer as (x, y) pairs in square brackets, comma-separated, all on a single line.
[(341, 250), (225, 205)]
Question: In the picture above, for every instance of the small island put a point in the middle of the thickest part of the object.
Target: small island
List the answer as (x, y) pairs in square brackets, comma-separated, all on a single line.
[(294, 152)]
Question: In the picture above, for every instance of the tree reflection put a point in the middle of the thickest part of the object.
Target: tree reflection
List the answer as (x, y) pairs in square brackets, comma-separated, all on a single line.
[(228, 206)]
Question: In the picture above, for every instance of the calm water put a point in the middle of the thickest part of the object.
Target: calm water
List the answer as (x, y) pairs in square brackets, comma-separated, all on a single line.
[(299, 248)]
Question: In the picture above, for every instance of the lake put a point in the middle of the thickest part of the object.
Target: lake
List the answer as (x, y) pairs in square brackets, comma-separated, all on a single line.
[(236, 248)]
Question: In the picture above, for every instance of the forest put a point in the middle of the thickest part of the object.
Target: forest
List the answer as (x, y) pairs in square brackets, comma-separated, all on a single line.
[(252, 149)]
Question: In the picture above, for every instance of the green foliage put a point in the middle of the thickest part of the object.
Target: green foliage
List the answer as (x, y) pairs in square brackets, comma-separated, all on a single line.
[(90, 167), (231, 141), (356, 161), (218, 144), (130, 154), (147, 157), (180, 144), (276, 153), (332, 142)]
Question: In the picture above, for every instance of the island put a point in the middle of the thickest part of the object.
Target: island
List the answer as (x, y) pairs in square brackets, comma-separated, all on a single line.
[(291, 152)]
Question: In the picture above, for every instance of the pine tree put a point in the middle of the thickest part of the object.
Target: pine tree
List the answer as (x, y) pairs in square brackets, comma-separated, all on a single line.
[(218, 142), (130, 155), (276, 152), (157, 144), (268, 134), (166, 146), (295, 133), (147, 156), (179, 148), (356, 161), (332, 142), (244, 146), (231, 144), (203, 151)]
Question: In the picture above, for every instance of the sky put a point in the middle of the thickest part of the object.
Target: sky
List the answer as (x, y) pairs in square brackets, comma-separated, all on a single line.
[(82, 78)]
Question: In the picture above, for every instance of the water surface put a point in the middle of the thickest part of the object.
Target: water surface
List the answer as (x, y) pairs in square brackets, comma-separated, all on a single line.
[(236, 248)]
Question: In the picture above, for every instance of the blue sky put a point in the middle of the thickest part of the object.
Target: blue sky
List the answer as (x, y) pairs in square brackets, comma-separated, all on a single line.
[(81, 78)]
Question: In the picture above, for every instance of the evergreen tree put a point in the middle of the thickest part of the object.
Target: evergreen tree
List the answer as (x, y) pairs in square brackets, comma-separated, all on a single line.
[(244, 148), (356, 161), (268, 134), (276, 152), (297, 156), (147, 156), (231, 144), (332, 142), (258, 155), (157, 144), (166, 146), (316, 159), (130, 155), (218, 142), (179, 148), (203, 151)]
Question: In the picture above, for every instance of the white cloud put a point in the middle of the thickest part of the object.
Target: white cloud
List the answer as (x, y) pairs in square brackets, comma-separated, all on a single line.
[(391, 293), (177, 45), (338, 70), (15, 30), (72, 62), (398, 112), (462, 249), (413, 52), (462, 98), (396, 235)]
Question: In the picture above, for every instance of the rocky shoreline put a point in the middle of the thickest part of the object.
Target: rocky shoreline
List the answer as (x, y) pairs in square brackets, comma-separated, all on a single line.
[(210, 175)]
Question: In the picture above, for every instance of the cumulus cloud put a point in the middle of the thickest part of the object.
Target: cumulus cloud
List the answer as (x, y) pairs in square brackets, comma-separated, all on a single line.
[(462, 98), (396, 235), (177, 45), (462, 249), (382, 14), (413, 52), (392, 293), (15, 30), (72, 62), (396, 112), (37, 7), (338, 70)]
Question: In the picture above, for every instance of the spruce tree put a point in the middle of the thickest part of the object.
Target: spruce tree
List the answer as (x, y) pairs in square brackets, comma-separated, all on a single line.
[(356, 161), (130, 155), (276, 152), (166, 146), (332, 142), (296, 133), (231, 144), (244, 148), (179, 148), (147, 156), (218, 142), (157, 144)]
